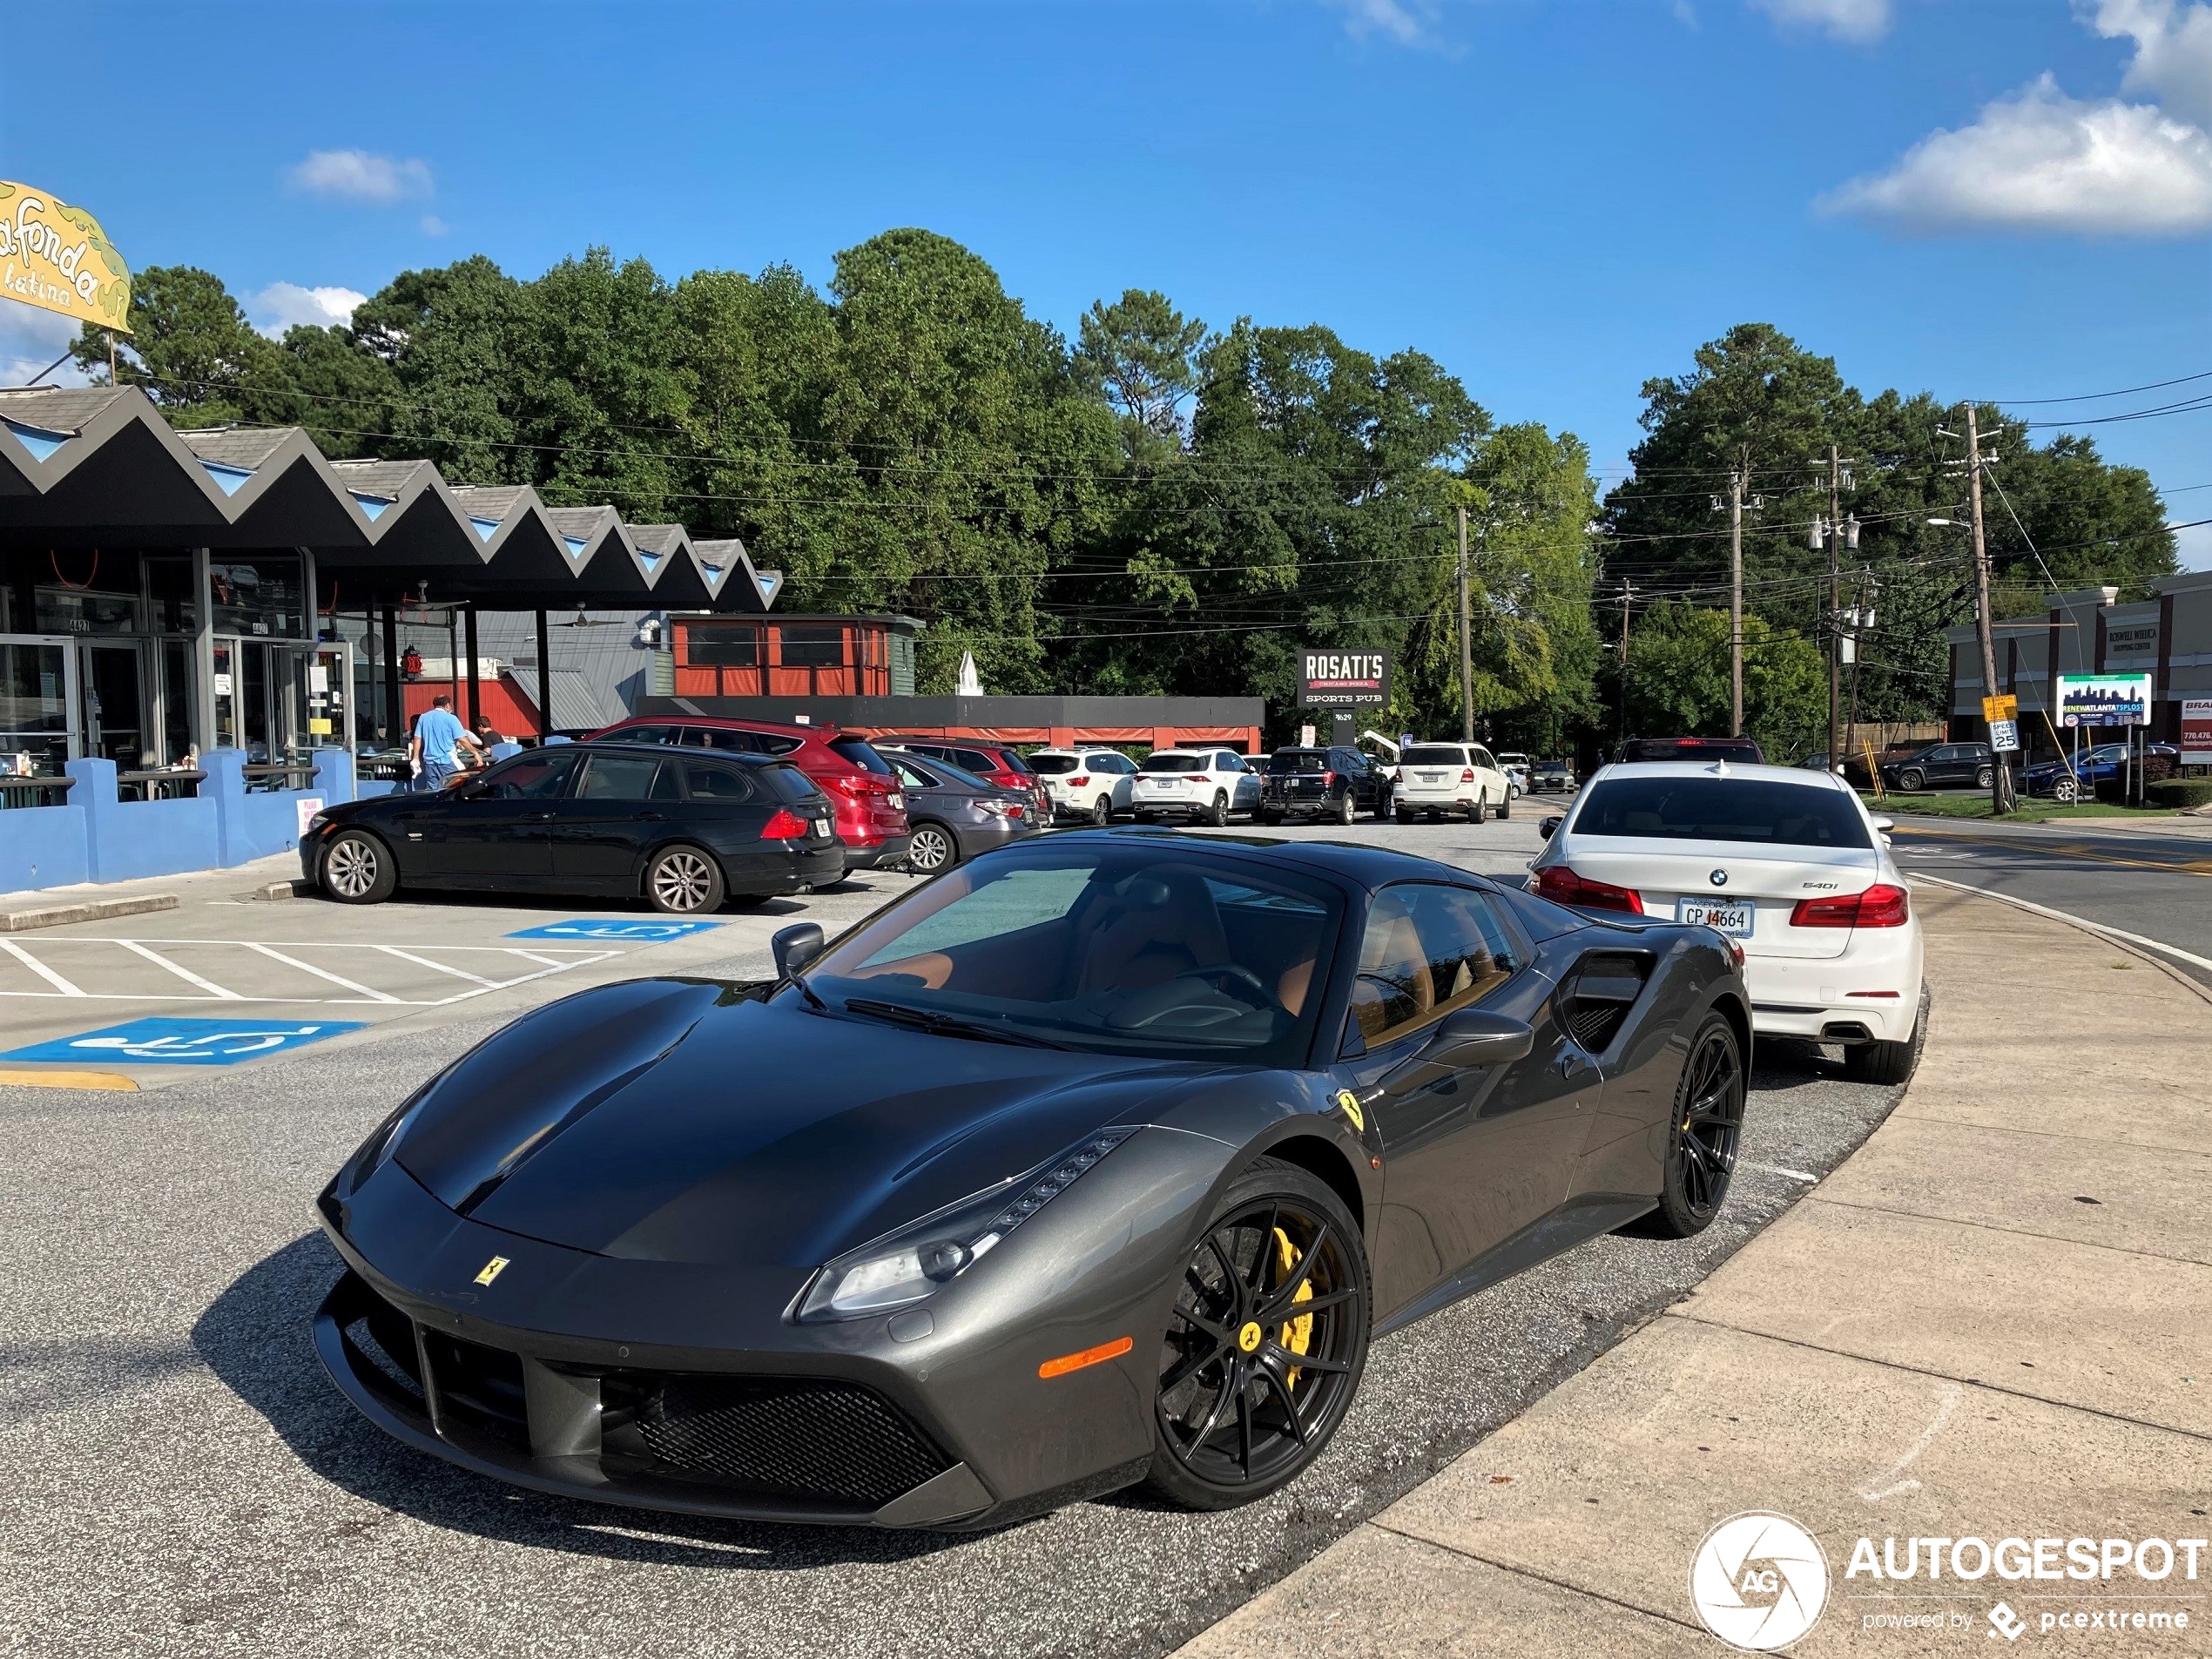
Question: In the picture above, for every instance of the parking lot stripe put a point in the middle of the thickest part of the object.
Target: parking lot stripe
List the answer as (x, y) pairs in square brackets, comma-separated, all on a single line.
[(310, 967), (441, 967), (179, 970), (40, 969), (113, 1081)]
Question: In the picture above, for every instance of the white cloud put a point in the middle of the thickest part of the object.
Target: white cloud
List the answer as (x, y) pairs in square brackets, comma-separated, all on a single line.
[(433, 225), (2041, 161), (30, 339), (2194, 547), (360, 176), (1406, 22), (285, 305), (1856, 20)]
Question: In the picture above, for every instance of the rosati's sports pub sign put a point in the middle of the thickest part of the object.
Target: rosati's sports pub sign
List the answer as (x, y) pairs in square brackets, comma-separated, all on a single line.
[(2104, 700), (1343, 679), (58, 257)]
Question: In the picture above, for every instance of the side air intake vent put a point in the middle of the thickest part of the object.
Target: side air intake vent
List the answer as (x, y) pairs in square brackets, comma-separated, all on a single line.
[(1599, 993)]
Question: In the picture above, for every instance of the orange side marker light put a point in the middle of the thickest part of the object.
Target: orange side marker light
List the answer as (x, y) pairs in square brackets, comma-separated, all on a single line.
[(1068, 1362)]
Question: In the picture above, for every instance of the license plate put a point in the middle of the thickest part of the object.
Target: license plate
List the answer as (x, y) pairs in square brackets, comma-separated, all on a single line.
[(1430, 777), (897, 799), (1734, 919)]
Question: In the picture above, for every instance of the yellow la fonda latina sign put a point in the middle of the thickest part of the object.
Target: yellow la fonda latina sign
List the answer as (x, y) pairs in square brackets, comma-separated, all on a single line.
[(58, 257)]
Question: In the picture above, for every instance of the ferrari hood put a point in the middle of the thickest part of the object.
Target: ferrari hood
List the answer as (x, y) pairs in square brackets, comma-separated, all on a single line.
[(675, 1120)]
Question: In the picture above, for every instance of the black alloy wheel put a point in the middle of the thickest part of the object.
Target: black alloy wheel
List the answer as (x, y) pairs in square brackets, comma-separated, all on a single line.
[(1267, 1343), (1703, 1133), (358, 869), (683, 882), (931, 849), (1219, 813), (1911, 781), (1102, 811)]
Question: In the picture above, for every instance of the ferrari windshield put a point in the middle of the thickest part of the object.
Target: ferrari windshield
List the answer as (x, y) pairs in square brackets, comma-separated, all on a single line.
[(1116, 949)]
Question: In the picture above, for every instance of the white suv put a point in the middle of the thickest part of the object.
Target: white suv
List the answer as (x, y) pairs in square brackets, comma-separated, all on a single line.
[(1197, 783), (1516, 766), (1439, 777), (1085, 783)]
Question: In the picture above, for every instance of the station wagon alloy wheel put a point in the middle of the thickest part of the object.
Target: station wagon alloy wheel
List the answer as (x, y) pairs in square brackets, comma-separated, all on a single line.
[(1267, 1343), (356, 869), (683, 880)]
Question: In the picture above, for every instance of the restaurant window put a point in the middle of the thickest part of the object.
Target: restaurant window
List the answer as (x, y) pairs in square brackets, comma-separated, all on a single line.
[(722, 647), (169, 591), (262, 595), (813, 647), (34, 707), (87, 590)]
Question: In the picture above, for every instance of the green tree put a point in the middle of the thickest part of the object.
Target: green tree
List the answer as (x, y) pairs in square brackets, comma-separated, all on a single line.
[(1141, 355), (1678, 680)]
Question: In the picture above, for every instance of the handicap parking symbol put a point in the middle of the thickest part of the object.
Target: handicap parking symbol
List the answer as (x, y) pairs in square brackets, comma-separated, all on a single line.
[(636, 933), (184, 1042)]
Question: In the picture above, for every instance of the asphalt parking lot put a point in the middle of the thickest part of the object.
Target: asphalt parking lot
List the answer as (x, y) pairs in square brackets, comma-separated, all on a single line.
[(184, 1479)]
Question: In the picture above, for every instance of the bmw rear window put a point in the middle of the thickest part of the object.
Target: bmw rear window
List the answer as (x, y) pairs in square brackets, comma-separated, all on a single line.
[(1722, 809), (786, 782), (856, 750)]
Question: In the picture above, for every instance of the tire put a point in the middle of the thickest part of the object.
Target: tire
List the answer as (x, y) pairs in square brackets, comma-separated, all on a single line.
[(933, 848), (357, 868), (683, 880), (1911, 781), (1102, 811), (1505, 807), (1347, 809), (2065, 790), (1703, 1132), (1219, 815), (1146, 818), (1480, 811), (1405, 815), (1886, 1063), (1984, 778), (1231, 1423), (1269, 819)]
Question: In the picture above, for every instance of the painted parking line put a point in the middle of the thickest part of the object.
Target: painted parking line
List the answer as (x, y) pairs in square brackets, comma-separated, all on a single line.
[(103, 1081), (238, 970), (636, 933), (184, 1042)]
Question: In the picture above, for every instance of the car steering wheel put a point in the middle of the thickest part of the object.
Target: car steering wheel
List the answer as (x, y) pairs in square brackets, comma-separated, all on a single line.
[(1236, 971)]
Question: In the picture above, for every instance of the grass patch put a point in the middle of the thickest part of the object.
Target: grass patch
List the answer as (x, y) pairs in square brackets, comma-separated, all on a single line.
[(2031, 810)]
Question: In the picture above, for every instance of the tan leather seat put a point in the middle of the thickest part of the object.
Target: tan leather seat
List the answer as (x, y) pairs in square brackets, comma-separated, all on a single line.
[(1157, 927)]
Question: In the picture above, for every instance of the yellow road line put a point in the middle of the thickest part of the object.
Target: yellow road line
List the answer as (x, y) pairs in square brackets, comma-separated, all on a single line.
[(113, 1081), (2072, 849)]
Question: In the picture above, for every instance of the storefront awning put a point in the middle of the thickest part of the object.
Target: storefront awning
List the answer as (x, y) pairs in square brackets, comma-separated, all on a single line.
[(101, 467)]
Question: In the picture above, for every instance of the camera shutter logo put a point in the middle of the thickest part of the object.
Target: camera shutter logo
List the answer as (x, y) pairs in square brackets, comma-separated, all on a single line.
[(1758, 1582)]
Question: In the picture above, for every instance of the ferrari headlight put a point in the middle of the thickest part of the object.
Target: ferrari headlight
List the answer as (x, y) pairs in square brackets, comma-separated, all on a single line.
[(939, 1248)]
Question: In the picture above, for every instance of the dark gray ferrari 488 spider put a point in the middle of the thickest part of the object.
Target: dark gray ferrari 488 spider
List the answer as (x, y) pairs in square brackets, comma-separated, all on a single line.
[(1098, 1160)]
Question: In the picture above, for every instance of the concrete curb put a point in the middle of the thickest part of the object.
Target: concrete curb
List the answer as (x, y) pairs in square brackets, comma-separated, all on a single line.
[(61, 915)]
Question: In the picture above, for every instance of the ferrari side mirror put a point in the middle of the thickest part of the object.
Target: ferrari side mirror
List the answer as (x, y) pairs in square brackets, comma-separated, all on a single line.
[(1550, 827), (796, 946), (1479, 1038)]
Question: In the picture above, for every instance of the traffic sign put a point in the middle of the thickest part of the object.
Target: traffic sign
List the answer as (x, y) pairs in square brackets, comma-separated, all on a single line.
[(184, 1042), (637, 933), (2004, 736), (1994, 709)]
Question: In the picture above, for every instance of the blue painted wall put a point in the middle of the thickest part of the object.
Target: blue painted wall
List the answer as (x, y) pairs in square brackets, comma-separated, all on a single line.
[(42, 847)]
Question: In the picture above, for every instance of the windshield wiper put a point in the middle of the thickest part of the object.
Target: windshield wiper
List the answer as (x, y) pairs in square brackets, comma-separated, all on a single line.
[(813, 1001), (946, 1025)]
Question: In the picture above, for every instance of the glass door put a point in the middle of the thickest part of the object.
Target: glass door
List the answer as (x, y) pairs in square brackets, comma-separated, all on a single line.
[(225, 674), (114, 690), (37, 694), (330, 683)]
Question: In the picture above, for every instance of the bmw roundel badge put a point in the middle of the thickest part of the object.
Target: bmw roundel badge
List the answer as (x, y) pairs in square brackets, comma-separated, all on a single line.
[(1719, 877)]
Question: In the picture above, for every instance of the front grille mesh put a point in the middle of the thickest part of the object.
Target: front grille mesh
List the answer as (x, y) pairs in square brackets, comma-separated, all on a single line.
[(803, 1439)]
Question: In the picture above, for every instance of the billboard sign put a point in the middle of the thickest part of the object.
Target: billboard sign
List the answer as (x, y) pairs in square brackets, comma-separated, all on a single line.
[(58, 257), (2104, 700), (1343, 679), (2196, 731)]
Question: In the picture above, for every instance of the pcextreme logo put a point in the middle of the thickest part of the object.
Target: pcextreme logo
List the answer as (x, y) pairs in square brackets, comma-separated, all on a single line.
[(1758, 1582)]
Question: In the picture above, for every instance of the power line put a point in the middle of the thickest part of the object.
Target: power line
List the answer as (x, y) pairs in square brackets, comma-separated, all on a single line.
[(2091, 397)]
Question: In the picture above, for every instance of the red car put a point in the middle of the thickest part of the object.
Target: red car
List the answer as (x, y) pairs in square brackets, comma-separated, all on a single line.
[(993, 762), (871, 808)]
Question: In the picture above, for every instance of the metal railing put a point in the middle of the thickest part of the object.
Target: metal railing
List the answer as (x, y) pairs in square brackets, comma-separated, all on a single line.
[(160, 783), (277, 774), (35, 791)]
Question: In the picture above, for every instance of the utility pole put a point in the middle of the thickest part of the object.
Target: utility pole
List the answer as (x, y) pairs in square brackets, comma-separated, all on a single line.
[(1735, 604), (2000, 773), (1628, 593), (1467, 645), (1835, 605)]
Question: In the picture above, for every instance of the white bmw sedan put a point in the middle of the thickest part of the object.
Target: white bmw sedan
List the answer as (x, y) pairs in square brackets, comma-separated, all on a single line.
[(1786, 863)]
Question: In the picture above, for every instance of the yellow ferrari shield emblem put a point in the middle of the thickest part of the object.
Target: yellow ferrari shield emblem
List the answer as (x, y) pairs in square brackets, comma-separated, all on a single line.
[(493, 1269), (1350, 1102), (1248, 1339)]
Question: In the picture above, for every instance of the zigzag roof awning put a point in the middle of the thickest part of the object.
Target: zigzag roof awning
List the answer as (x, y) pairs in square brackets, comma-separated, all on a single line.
[(100, 466)]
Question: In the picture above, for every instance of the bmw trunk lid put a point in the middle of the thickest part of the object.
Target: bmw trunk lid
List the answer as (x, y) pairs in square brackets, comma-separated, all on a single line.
[(1668, 878)]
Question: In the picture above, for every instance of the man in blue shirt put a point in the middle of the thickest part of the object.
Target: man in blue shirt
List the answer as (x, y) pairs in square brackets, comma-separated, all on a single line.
[(434, 750)]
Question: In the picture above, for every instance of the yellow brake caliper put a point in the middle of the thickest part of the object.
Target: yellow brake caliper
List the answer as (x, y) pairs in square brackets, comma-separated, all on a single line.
[(1298, 1332)]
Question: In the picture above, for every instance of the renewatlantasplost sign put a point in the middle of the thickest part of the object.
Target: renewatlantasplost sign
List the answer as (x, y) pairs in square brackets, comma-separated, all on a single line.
[(2104, 700), (1343, 679), (58, 257)]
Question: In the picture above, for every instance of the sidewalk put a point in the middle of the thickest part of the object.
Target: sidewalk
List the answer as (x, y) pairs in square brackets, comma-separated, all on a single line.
[(1993, 1321)]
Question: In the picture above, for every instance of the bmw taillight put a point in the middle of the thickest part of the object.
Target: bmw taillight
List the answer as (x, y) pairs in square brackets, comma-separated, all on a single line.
[(1562, 885), (1881, 905), (785, 825)]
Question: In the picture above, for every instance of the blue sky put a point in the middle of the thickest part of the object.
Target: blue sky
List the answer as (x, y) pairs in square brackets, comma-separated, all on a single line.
[(2006, 198)]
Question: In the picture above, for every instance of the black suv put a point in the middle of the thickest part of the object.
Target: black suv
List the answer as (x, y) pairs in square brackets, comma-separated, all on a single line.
[(1334, 782), (1938, 763)]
